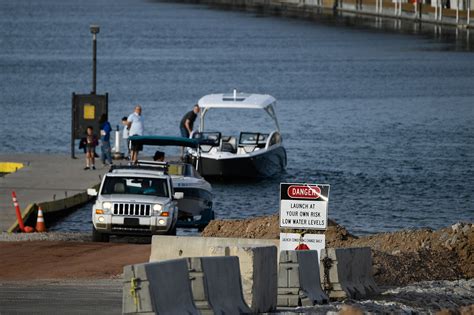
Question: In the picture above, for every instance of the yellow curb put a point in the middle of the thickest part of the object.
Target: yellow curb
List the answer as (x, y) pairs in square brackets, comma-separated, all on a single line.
[(10, 167)]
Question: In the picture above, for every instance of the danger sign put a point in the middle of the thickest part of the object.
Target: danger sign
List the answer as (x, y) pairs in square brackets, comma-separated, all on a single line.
[(304, 191), (304, 206)]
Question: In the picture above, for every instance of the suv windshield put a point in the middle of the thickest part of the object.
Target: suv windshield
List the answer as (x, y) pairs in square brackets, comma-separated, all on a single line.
[(135, 186)]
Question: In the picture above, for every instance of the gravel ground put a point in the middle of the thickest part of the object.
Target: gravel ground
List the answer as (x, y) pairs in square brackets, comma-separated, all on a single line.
[(428, 297)]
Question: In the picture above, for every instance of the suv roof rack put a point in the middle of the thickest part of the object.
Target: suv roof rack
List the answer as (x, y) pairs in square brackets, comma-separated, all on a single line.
[(143, 165)]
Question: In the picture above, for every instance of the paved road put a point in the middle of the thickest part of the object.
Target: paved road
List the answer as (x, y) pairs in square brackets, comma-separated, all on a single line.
[(61, 297), (44, 178)]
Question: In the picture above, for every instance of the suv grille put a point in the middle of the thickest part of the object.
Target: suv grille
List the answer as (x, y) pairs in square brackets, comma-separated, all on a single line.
[(134, 209)]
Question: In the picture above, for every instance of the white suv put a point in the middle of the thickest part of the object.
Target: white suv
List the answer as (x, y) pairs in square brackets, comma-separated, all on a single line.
[(134, 201)]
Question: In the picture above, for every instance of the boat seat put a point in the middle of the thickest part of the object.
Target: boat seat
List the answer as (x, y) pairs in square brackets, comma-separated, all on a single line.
[(207, 140), (262, 140), (229, 144), (227, 147), (206, 148)]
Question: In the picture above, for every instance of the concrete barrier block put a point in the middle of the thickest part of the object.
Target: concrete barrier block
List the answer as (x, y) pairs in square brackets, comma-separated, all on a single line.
[(288, 270), (257, 260), (258, 269), (350, 272), (290, 275), (288, 300), (223, 285), (143, 304), (352, 261), (310, 281), (288, 256), (365, 275), (154, 288), (172, 247), (299, 279), (199, 286)]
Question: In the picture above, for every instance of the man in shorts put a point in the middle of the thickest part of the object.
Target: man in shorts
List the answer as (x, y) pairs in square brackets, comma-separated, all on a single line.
[(135, 128)]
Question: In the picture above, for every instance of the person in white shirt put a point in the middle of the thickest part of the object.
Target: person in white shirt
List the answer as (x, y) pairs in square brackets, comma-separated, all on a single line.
[(135, 128)]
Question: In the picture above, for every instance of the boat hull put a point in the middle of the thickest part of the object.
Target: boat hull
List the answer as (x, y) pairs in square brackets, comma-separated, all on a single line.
[(195, 201), (267, 164)]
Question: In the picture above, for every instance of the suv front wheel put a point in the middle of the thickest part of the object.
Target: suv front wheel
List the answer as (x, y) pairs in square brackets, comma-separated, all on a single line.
[(99, 237)]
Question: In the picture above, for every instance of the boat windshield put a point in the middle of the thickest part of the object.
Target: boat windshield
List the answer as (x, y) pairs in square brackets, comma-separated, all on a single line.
[(135, 186)]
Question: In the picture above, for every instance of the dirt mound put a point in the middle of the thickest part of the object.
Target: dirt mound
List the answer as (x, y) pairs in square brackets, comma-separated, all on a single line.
[(267, 227), (399, 258), (262, 227)]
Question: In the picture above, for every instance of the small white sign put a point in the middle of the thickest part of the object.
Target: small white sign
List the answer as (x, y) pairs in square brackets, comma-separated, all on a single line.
[(304, 206), (294, 241)]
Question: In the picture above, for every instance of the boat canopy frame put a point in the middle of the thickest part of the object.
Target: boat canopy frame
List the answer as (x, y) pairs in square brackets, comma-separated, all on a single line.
[(168, 141), (240, 101), (165, 141)]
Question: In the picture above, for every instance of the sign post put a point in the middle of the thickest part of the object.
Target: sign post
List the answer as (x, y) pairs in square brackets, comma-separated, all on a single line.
[(88, 108), (86, 111), (303, 207)]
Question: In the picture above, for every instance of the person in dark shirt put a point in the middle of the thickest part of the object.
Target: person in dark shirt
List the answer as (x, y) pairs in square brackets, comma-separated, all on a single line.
[(187, 122)]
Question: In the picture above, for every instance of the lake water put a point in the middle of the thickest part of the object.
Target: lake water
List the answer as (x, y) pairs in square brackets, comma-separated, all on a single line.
[(385, 118)]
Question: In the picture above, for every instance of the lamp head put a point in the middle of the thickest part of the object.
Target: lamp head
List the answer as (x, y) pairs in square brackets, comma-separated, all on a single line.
[(95, 29)]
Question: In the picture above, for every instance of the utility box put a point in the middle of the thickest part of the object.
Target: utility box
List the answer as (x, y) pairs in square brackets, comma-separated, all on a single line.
[(86, 111)]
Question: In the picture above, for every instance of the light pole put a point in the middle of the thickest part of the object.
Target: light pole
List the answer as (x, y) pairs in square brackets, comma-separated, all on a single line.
[(94, 30)]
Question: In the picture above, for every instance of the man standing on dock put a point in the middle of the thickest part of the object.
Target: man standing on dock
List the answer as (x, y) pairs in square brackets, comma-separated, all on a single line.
[(135, 128), (105, 129), (187, 122)]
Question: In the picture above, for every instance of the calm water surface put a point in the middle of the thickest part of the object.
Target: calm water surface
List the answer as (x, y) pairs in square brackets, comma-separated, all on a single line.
[(386, 119)]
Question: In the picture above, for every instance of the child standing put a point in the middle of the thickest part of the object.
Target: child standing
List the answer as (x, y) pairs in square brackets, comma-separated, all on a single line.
[(90, 144)]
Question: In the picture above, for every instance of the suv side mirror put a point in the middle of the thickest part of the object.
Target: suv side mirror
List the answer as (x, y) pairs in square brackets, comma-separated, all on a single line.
[(91, 192), (178, 195)]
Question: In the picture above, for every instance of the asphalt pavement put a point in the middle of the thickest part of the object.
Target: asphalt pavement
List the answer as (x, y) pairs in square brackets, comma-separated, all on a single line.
[(61, 297)]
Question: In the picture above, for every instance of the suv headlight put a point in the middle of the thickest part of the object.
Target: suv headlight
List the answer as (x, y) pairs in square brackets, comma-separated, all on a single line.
[(157, 207), (106, 205)]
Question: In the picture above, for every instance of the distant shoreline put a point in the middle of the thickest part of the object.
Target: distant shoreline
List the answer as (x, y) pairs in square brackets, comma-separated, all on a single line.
[(347, 14)]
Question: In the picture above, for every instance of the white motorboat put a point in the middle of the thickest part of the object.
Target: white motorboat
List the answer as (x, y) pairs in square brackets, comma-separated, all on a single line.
[(247, 154)]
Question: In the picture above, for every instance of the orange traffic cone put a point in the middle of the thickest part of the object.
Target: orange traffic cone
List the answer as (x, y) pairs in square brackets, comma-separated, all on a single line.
[(40, 226)]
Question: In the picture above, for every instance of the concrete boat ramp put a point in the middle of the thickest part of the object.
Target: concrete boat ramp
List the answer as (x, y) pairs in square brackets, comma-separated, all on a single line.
[(54, 182)]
